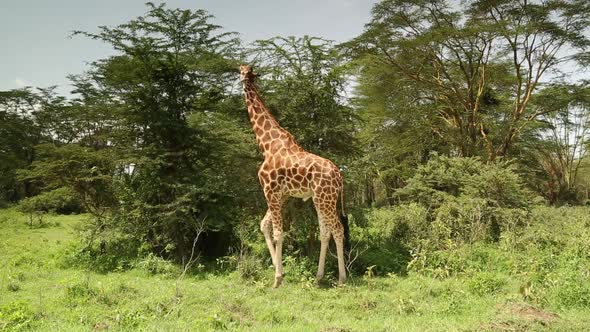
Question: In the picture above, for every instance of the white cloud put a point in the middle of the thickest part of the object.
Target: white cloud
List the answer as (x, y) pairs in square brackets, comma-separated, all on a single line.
[(20, 83)]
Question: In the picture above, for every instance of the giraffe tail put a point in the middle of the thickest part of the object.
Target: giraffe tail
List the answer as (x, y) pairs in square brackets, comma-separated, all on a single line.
[(344, 222)]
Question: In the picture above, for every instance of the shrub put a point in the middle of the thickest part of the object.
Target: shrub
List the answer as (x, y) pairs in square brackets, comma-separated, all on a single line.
[(13, 285), (61, 200), (153, 264), (573, 292), (384, 237), (301, 269), (80, 293), (111, 251), (250, 267), (485, 283), (16, 316), (466, 200), (470, 219), (465, 260), (444, 177)]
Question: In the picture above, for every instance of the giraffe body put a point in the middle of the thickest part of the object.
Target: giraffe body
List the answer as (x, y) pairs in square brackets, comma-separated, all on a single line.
[(290, 171)]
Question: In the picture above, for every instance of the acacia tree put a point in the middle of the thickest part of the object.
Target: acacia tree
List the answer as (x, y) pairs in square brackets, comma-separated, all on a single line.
[(468, 75), (167, 91), (18, 135), (564, 142), (538, 37), (71, 154)]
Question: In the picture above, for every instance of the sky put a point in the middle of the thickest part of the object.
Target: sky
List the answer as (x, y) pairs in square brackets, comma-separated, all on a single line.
[(36, 48)]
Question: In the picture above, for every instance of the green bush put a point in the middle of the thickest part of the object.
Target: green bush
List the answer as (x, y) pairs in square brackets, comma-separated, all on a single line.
[(573, 291), (110, 252), (250, 267), (383, 237), (485, 283), (468, 219), (16, 316), (467, 200), (301, 268), (444, 177), (465, 260), (80, 293), (153, 264), (61, 200)]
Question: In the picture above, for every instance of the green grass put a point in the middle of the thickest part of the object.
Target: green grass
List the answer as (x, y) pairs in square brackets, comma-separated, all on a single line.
[(499, 287)]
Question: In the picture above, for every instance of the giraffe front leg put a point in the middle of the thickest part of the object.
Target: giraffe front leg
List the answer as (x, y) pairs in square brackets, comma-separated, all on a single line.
[(278, 236), (275, 206), (324, 242), (266, 228)]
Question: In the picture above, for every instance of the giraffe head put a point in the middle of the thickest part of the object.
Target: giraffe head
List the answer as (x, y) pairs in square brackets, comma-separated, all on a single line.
[(246, 73)]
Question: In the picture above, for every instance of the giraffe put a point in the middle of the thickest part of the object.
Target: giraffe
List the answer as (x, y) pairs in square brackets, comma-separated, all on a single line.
[(290, 171)]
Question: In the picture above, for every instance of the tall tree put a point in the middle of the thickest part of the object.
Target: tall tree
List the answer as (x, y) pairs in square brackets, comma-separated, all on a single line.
[(469, 75), (536, 37), (565, 141), (19, 133), (168, 89)]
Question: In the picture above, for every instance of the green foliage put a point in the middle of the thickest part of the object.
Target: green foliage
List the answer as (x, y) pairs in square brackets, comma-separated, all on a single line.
[(16, 316), (60, 200), (304, 86), (80, 293), (447, 203), (450, 202), (153, 264), (383, 237), (173, 145), (18, 135), (564, 143), (519, 282), (13, 286), (573, 292), (444, 177), (486, 283), (109, 252), (83, 171), (250, 267), (466, 199), (466, 81), (441, 68)]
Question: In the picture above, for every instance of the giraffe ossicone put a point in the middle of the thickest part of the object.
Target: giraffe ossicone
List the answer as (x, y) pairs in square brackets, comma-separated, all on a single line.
[(290, 171)]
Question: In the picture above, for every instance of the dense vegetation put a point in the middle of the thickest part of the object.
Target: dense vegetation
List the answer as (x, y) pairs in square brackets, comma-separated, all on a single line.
[(533, 279), (463, 145)]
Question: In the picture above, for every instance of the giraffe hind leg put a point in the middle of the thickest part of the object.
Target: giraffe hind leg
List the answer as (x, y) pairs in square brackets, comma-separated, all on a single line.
[(266, 228), (330, 226), (340, 252), (278, 237)]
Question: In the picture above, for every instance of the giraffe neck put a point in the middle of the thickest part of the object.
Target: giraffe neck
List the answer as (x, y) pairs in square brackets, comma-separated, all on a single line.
[(269, 134)]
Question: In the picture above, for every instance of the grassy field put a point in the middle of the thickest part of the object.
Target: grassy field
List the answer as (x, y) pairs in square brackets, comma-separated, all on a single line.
[(39, 291)]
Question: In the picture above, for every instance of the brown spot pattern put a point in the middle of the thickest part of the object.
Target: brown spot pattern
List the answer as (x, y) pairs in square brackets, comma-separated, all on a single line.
[(290, 171)]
